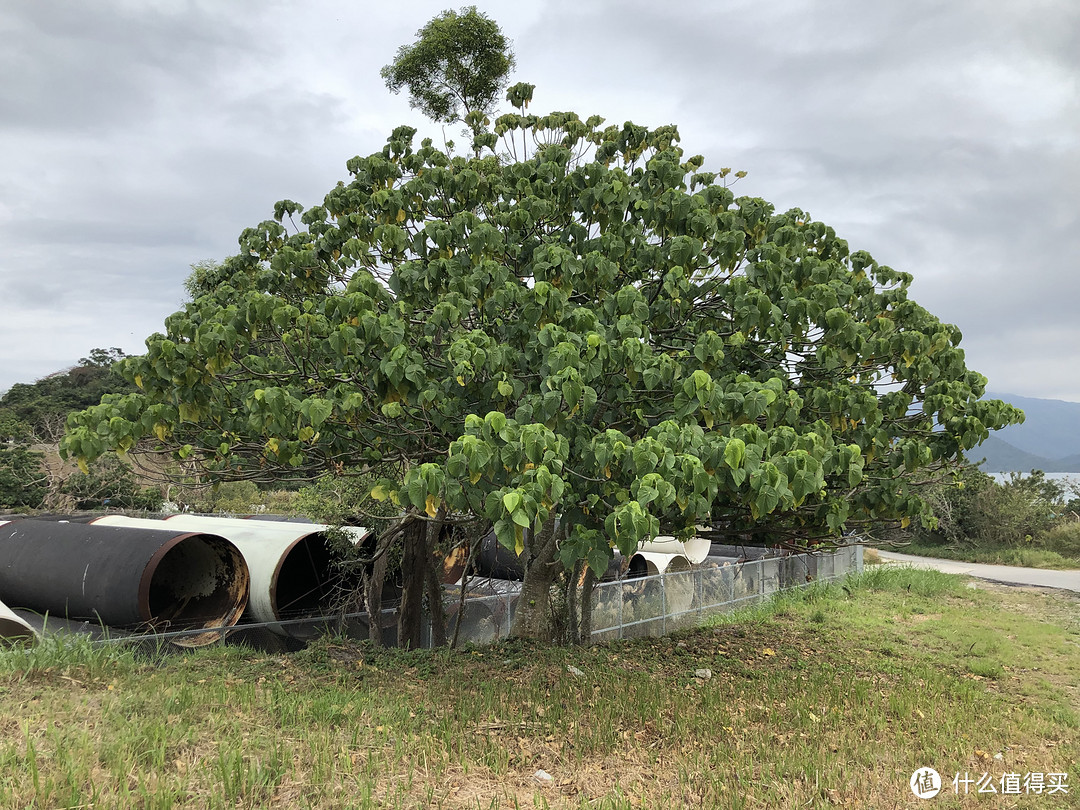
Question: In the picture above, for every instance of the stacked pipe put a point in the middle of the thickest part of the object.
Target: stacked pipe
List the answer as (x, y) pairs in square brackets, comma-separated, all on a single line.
[(658, 556), (296, 570), (124, 577), (664, 553)]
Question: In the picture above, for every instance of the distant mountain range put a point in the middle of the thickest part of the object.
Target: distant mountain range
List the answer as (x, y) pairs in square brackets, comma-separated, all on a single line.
[(1049, 439)]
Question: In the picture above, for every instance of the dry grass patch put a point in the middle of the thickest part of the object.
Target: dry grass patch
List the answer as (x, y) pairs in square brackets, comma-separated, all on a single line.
[(830, 698)]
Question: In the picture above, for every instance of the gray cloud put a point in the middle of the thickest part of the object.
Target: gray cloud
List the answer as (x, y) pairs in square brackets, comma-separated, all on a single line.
[(943, 138)]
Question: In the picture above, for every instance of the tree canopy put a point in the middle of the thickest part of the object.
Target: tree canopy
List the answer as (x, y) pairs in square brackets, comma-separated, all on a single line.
[(43, 406), (459, 64), (597, 329)]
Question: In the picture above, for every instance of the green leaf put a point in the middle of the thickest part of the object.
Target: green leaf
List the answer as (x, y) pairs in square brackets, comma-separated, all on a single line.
[(511, 502), (734, 453), (598, 560)]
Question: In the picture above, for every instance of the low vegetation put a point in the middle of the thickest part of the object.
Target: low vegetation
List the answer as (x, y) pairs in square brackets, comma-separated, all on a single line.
[(1029, 520), (829, 697)]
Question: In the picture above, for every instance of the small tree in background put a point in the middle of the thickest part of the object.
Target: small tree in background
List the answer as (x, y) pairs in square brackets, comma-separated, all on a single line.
[(460, 63), (108, 483), (23, 479)]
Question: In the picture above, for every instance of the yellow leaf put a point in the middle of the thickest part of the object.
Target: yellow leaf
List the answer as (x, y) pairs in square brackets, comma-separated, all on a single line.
[(905, 522), (461, 381), (768, 651), (272, 445), (607, 472), (138, 380), (401, 215), (431, 506), (474, 478), (379, 493), (519, 540), (82, 464), (161, 431)]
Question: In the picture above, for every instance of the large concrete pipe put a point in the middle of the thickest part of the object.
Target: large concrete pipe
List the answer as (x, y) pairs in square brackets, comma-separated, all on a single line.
[(295, 567), (499, 562), (657, 563), (270, 518), (695, 549), (356, 534), (124, 577), (13, 628)]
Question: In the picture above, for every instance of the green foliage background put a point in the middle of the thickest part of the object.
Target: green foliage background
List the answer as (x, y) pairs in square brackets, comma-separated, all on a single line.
[(575, 320)]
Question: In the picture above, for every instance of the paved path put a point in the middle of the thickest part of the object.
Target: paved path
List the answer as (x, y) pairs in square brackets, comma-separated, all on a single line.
[(1011, 574)]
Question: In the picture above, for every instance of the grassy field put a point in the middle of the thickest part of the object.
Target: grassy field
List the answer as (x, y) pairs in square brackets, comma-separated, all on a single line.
[(831, 697)]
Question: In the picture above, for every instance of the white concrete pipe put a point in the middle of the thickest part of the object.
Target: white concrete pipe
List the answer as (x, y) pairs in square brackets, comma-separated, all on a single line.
[(14, 628), (695, 549), (293, 565), (659, 563), (357, 534)]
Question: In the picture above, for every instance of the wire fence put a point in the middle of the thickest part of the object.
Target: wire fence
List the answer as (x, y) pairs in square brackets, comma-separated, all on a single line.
[(623, 608), (659, 604)]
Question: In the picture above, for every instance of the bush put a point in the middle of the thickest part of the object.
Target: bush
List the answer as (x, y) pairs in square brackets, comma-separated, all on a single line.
[(344, 500), (23, 483), (975, 511), (231, 497), (109, 483), (1063, 539)]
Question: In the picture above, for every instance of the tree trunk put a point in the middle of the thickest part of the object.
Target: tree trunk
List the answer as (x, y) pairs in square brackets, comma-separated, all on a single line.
[(374, 598), (414, 565), (434, 583), (532, 619), (572, 617), (583, 631), (470, 561)]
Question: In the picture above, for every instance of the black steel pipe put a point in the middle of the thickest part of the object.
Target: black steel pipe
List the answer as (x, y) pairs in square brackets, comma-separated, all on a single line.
[(124, 577), (498, 562)]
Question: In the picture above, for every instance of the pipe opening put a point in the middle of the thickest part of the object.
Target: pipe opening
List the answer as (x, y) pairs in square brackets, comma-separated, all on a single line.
[(638, 567), (678, 564), (14, 632), (313, 577), (201, 581)]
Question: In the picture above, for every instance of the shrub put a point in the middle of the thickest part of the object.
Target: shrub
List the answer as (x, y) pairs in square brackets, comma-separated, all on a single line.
[(1063, 538), (23, 483), (974, 510), (109, 483), (344, 500)]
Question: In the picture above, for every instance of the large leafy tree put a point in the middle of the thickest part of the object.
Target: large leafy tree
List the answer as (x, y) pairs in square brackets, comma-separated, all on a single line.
[(598, 330), (459, 64)]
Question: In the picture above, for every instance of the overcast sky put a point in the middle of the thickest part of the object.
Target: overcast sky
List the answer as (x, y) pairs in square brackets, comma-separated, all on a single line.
[(139, 137)]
